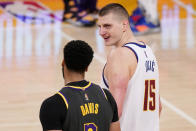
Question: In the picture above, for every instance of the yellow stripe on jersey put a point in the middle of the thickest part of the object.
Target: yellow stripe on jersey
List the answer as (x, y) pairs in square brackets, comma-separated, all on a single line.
[(77, 87), (104, 93), (64, 99)]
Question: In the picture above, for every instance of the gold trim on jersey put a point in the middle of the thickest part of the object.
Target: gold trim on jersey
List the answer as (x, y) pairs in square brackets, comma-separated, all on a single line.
[(64, 99), (104, 93), (77, 87), (86, 126)]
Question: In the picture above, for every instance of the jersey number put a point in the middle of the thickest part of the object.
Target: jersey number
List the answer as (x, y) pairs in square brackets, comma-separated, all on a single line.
[(90, 127), (149, 101)]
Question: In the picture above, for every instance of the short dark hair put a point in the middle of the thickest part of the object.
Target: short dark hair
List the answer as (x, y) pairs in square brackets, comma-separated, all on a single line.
[(77, 55), (116, 9)]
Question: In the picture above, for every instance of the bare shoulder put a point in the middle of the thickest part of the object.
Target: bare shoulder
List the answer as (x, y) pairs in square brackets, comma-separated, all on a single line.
[(121, 60), (122, 54)]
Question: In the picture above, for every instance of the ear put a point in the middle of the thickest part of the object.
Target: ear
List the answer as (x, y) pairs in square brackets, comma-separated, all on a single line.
[(63, 63), (125, 25), (86, 69)]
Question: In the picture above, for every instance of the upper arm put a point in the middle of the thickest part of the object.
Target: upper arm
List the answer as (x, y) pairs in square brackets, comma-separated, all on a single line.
[(52, 113), (117, 70), (120, 67)]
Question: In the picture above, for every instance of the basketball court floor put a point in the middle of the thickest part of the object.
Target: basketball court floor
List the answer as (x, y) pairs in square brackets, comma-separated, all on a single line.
[(31, 56)]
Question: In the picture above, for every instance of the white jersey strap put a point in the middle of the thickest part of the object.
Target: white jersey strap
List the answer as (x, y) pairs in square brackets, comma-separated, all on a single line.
[(128, 45)]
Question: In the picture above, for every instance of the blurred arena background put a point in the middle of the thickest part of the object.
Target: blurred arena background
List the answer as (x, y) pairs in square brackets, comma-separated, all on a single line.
[(31, 40)]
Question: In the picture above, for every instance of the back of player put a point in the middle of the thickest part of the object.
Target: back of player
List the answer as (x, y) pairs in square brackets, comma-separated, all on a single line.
[(141, 105), (87, 108)]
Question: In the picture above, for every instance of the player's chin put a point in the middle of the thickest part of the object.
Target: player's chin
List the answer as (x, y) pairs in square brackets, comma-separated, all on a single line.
[(107, 43)]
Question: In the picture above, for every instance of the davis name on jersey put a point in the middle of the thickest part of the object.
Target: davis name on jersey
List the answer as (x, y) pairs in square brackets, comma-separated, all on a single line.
[(89, 108)]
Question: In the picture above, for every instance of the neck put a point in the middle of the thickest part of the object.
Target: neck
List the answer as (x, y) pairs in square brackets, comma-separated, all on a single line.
[(126, 38), (73, 76)]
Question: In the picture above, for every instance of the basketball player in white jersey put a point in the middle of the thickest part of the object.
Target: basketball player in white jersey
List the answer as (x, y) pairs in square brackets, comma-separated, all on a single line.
[(131, 72)]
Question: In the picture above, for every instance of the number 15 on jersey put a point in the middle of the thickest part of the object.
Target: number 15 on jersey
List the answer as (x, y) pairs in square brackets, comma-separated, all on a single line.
[(149, 96)]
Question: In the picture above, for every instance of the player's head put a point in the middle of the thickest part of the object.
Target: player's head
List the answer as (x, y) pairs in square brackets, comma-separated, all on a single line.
[(113, 21), (77, 56)]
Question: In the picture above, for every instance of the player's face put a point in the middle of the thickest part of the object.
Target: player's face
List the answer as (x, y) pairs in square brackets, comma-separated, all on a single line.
[(110, 29)]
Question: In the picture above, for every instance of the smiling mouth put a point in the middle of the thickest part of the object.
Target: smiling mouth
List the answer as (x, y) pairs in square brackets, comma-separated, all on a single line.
[(106, 38)]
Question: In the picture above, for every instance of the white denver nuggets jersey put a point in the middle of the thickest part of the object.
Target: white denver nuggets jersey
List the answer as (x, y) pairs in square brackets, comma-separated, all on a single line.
[(141, 105)]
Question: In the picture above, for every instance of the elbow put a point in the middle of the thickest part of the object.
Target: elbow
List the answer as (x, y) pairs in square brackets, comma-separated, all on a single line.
[(119, 113)]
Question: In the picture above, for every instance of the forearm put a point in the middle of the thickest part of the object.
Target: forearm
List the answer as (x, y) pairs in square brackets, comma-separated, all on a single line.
[(119, 95), (115, 126)]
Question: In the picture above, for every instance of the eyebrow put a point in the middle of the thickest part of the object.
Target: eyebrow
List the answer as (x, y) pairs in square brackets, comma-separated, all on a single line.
[(106, 24)]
